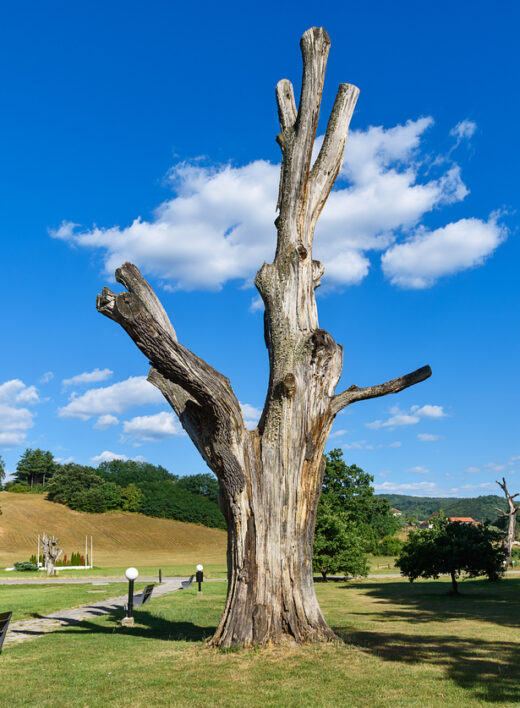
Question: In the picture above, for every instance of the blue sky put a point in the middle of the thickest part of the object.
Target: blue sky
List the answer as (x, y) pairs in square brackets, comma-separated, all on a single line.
[(146, 132)]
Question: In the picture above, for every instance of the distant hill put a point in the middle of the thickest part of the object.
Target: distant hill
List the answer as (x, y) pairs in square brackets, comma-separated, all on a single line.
[(480, 508), (120, 538)]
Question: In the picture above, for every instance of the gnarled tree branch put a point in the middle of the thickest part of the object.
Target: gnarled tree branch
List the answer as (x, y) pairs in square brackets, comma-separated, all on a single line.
[(354, 393)]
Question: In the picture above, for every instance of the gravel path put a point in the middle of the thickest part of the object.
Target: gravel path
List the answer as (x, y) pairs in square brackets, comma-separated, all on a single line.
[(32, 629)]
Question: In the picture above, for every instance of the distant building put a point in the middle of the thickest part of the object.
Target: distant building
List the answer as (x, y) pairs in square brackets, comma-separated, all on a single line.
[(459, 519), (396, 512)]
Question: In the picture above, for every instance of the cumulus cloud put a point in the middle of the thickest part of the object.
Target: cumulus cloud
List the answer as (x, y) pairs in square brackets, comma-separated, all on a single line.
[(338, 434), (88, 377), (105, 421), (15, 391), (107, 456), (428, 437), (14, 424), (419, 469), (465, 129), (412, 417), (64, 460), (134, 391), (47, 376), (251, 415), (427, 255), (218, 226), (153, 428)]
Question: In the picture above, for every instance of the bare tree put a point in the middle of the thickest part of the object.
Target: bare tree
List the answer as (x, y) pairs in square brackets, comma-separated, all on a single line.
[(51, 552), (511, 517), (270, 478)]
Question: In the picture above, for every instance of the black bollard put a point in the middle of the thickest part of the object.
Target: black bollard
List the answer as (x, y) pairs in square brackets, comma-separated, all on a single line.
[(130, 598), (160, 575), (199, 578)]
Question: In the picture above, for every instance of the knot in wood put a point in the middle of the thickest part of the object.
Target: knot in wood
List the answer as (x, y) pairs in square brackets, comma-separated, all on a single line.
[(323, 345), (317, 271), (302, 251), (289, 385)]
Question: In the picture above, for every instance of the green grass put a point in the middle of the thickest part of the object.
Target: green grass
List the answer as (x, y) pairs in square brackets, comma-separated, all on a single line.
[(210, 571), (404, 645), (28, 601)]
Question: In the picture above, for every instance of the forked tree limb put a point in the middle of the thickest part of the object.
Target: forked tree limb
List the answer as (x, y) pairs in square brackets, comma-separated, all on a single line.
[(142, 316), (354, 393)]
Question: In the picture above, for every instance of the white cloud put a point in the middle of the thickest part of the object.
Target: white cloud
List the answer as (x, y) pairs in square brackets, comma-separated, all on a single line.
[(257, 304), (358, 445), (107, 456), (419, 469), (88, 377), (399, 417), (251, 415), (218, 226), (15, 391), (338, 434), (428, 437), (396, 444), (47, 376), (105, 421), (465, 129), (64, 460), (134, 391), (14, 424), (152, 428), (396, 488), (428, 255), (472, 470)]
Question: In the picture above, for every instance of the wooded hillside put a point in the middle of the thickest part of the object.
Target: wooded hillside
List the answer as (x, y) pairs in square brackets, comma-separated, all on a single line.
[(480, 508)]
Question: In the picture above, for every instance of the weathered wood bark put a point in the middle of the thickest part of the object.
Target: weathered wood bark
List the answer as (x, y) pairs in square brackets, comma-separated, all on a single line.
[(51, 552), (511, 520), (271, 477)]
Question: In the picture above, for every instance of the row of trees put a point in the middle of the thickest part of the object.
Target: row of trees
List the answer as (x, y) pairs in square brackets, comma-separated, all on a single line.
[(126, 485)]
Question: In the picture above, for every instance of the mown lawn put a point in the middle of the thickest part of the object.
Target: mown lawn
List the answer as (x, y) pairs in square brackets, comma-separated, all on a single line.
[(404, 645), (29, 601), (214, 570)]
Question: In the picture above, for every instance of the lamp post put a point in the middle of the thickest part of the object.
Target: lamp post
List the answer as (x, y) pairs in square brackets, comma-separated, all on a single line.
[(199, 576), (131, 574)]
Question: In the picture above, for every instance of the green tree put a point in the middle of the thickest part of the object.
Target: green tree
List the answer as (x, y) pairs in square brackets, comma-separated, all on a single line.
[(70, 482), (2, 471), (35, 467), (131, 497), (204, 484), (337, 547), (452, 548), (112, 496), (91, 500)]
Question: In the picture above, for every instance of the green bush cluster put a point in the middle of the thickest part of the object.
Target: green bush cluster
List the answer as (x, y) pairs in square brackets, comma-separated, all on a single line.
[(390, 546), (25, 565)]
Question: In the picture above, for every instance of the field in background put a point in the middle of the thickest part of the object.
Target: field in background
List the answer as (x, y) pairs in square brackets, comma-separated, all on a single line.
[(404, 645), (120, 539)]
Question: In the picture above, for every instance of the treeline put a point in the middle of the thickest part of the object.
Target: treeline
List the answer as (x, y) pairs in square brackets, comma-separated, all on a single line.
[(120, 485), (481, 509)]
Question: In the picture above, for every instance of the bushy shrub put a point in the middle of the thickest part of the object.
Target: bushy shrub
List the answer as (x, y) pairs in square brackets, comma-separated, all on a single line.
[(390, 546), (17, 487), (25, 565)]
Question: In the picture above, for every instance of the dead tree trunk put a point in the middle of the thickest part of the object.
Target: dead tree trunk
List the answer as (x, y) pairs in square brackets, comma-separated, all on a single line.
[(51, 552), (270, 478), (511, 520)]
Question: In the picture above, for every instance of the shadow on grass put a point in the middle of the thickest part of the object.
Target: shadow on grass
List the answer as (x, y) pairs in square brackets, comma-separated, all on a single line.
[(482, 601), (146, 625), (490, 669)]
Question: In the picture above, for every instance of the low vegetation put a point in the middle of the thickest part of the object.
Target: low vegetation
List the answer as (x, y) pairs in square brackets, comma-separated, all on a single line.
[(402, 644)]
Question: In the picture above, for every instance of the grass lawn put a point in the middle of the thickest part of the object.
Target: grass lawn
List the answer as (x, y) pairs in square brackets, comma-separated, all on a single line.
[(404, 645), (180, 570), (28, 601)]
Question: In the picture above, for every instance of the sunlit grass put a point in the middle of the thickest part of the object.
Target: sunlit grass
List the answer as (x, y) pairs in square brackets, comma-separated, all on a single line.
[(404, 645)]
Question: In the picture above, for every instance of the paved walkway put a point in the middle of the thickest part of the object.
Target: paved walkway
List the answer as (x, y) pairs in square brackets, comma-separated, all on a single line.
[(32, 629)]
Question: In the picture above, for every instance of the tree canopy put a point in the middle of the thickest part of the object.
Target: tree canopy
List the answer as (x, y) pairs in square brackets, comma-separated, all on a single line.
[(350, 520), (452, 548), (35, 467)]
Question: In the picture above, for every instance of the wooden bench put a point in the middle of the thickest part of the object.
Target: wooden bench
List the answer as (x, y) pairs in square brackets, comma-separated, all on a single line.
[(185, 584), (5, 618)]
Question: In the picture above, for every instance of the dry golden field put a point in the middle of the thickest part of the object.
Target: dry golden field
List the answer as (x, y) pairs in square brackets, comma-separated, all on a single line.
[(120, 538)]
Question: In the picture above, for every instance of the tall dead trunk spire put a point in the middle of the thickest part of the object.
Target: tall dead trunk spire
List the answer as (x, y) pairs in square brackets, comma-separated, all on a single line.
[(511, 519), (270, 478)]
